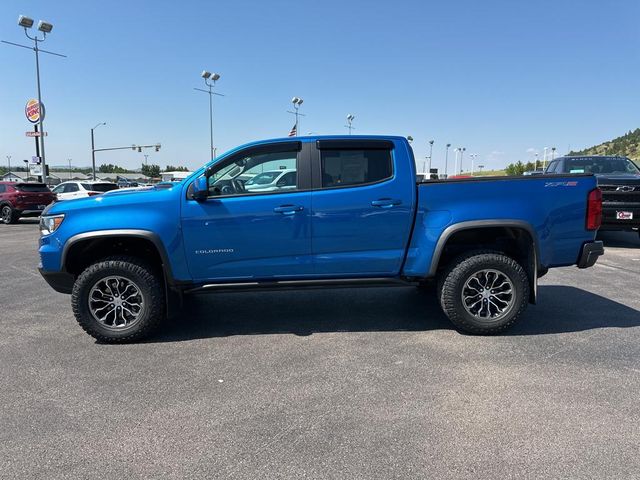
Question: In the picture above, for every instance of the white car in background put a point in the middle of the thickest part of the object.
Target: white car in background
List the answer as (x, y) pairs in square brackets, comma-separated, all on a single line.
[(272, 180), (81, 189)]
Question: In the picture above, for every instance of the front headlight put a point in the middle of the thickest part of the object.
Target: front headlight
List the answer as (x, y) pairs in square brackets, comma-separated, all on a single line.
[(50, 223)]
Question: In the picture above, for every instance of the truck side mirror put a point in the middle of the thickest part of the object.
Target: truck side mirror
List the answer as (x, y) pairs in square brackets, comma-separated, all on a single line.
[(200, 189)]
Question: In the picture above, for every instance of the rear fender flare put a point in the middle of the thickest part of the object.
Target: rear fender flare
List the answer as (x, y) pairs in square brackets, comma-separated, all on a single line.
[(532, 270)]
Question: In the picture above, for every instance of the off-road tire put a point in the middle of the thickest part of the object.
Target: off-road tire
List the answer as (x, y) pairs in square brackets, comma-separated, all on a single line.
[(8, 215), (146, 278), (451, 284)]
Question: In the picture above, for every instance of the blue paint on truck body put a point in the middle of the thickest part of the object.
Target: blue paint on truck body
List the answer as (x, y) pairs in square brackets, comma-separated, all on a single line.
[(387, 228)]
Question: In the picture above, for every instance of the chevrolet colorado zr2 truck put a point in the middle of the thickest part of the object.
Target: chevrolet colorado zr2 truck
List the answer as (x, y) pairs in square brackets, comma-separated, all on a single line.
[(353, 215)]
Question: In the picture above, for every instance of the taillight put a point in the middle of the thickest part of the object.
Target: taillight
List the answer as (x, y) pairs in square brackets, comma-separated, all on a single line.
[(594, 209), (93, 194)]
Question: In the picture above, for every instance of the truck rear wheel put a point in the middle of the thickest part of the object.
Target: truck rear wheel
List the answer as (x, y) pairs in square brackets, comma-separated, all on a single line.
[(119, 299), (483, 292)]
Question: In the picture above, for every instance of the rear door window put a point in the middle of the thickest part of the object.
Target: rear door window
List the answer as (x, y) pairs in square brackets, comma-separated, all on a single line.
[(31, 187), (99, 187), (70, 188), (348, 168)]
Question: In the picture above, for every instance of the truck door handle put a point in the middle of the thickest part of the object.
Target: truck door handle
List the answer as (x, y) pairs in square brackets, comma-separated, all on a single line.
[(288, 209), (386, 202)]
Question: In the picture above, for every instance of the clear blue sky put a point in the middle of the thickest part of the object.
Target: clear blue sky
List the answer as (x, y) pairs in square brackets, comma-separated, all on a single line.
[(500, 77)]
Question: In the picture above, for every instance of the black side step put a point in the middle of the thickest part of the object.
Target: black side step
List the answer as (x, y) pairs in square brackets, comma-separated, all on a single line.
[(296, 284)]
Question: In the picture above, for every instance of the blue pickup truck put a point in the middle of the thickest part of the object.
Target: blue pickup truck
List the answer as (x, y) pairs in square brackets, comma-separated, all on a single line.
[(351, 213)]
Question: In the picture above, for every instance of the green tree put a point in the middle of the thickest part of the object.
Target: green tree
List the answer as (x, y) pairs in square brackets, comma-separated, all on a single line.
[(111, 168), (515, 169), (152, 170), (171, 168)]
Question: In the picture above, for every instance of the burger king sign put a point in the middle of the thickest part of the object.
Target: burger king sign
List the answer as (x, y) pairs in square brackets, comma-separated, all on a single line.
[(33, 109)]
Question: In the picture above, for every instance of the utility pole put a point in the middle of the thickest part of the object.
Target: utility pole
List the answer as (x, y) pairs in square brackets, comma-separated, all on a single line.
[(69, 160)]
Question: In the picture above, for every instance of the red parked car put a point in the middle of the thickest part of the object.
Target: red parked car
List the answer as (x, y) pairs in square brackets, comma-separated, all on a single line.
[(23, 200)]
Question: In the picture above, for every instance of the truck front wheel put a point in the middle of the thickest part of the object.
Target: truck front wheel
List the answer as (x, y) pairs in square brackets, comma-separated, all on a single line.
[(483, 292), (119, 299)]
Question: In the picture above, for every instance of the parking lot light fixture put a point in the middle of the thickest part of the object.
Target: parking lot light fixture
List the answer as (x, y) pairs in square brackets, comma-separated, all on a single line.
[(446, 160), (349, 124), (25, 21), (44, 27), (431, 142), (210, 79), (296, 101)]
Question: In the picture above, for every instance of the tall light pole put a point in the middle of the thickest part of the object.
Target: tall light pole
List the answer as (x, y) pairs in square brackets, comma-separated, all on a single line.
[(473, 157), (9, 161), (537, 160), (296, 101), (69, 160), (431, 142), (93, 151), (544, 158), (146, 157), (210, 80), (455, 164), (553, 153), (44, 27), (446, 161), (349, 125), (462, 150)]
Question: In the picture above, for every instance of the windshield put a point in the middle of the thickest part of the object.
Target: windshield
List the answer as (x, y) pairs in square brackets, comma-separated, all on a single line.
[(264, 178), (599, 165), (100, 187), (31, 187)]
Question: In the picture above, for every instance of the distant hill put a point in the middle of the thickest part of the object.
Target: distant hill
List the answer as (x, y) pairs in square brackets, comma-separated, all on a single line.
[(627, 146)]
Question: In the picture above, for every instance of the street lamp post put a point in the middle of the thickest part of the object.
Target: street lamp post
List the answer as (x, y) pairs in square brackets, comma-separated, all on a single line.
[(93, 151), (69, 160), (553, 153), (44, 27), (473, 158), (9, 161), (214, 77), (349, 125), (446, 161), (296, 101), (431, 142), (462, 150), (146, 157), (544, 158)]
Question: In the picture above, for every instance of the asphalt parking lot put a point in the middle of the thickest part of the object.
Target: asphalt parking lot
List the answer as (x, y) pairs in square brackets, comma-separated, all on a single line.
[(345, 383)]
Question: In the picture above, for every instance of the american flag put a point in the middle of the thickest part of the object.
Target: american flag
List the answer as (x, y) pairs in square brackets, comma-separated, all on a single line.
[(294, 131)]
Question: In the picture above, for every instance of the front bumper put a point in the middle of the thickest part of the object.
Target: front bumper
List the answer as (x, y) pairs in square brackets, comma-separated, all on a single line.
[(590, 253), (61, 282)]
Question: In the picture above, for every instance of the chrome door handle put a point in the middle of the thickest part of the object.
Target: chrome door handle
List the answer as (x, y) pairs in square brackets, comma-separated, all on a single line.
[(288, 209), (385, 202)]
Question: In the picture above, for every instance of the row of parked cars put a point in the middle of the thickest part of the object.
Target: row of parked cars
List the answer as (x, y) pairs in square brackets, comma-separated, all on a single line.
[(29, 199), (19, 199)]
